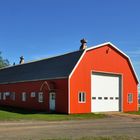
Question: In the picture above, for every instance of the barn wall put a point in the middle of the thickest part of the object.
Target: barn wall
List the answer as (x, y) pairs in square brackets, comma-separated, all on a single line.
[(99, 60), (61, 89)]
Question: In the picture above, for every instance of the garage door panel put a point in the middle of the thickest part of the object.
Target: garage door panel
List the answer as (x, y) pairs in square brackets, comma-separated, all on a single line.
[(102, 106), (104, 92)]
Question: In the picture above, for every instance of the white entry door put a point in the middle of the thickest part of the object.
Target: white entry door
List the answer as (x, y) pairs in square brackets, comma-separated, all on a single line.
[(52, 101), (105, 89)]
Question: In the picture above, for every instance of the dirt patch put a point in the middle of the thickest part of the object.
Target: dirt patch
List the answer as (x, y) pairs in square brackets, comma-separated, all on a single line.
[(113, 125)]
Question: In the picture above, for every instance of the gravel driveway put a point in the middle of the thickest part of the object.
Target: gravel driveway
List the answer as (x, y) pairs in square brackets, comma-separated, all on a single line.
[(37, 130)]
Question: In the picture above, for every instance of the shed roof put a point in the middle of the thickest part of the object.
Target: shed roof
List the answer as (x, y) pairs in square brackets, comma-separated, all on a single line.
[(49, 68)]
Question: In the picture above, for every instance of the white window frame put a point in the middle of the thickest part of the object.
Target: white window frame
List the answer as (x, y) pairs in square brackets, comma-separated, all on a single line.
[(40, 97), (83, 97), (130, 98), (24, 96), (4, 95), (33, 94)]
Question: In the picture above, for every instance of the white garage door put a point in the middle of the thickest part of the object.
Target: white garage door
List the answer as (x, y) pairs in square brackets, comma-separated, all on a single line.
[(104, 92)]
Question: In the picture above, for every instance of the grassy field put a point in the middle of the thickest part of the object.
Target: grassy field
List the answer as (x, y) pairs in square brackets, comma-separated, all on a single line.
[(136, 113), (100, 138), (19, 114)]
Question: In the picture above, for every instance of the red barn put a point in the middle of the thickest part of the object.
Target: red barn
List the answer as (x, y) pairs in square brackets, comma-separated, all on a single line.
[(95, 79)]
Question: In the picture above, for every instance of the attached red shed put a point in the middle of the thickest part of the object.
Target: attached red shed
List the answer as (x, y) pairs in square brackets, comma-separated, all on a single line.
[(95, 79)]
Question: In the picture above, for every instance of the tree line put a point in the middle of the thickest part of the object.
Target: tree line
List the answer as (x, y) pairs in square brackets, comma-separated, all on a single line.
[(3, 62)]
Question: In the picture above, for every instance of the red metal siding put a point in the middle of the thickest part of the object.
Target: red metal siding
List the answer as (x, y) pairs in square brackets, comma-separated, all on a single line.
[(32, 103), (99, 60)]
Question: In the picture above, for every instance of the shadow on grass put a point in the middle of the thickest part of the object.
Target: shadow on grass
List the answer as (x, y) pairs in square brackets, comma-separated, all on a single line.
[(22, 110), (11, 113)]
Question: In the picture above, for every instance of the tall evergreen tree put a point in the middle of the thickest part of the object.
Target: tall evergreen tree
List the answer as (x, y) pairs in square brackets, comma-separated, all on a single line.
[(3, 62)]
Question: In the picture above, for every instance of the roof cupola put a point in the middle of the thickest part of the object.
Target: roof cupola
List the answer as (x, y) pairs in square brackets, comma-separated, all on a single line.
[(21, 60), (83, 44)]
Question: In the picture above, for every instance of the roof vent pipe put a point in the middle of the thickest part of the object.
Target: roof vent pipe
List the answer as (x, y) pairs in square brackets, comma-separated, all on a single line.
[(21, 60), (83, 44)]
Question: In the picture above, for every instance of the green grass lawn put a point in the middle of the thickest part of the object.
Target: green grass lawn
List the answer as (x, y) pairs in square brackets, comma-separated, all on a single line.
[(19, 114), (136, 112)]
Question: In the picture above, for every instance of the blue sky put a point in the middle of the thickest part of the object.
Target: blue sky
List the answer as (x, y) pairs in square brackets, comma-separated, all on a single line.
[(43, 28)]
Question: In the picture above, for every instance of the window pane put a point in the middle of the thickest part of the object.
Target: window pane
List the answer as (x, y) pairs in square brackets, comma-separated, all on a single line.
[(4, 96), (105, 98), (82, 97), (130, 98), (33, 94), (13, 95), (53, 96), (40, 97), (94, 98), (24, 96)]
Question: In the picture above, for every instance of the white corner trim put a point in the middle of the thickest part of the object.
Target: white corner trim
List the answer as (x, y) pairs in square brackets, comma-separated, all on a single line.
[(109, 43), (137, 97), (70, 78), (133, 69), (77, 63), (69, 95)]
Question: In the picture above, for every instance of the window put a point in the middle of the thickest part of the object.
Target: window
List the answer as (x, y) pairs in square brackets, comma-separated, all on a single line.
[(13, 96), (130, 98), (99, 98), (111, 98), (82, 97), (4, 96), (32, 94), (7, 93), (40, 97), (105, 98), (0, 95), (94, 98), (53, 96), (24, 96)]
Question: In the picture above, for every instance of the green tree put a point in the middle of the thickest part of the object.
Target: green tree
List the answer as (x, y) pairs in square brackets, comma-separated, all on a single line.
[(3, 62)]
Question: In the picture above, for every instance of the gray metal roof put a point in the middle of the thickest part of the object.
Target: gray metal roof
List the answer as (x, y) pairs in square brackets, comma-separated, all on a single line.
[(49, 68)]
